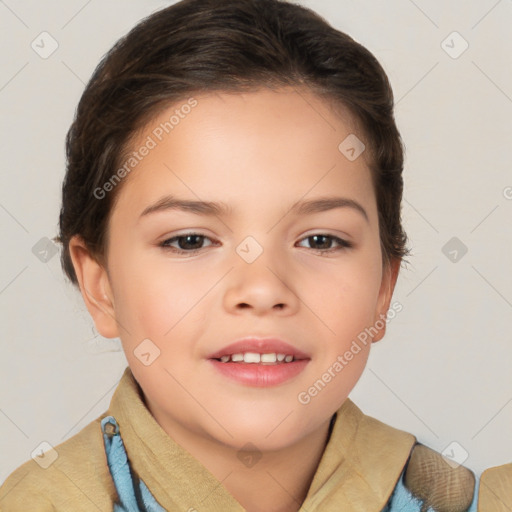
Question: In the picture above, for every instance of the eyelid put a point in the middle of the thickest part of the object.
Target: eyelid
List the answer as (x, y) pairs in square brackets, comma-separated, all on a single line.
[(185, 234), (342, 235)]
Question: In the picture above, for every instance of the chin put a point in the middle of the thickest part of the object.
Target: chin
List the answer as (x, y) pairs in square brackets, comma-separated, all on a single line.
[(266, 432)]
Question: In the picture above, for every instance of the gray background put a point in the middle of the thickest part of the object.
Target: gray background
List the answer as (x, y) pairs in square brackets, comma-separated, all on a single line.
[(443, 370)]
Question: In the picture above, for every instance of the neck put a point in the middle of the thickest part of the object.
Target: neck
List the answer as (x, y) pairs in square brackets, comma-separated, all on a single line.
[(271, 481), (280, 481)]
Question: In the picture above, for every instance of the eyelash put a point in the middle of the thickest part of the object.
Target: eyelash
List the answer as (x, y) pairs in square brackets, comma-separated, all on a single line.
[(343, 244)]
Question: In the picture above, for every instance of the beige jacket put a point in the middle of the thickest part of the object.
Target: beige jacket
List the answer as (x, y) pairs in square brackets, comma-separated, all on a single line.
[(357, 473)]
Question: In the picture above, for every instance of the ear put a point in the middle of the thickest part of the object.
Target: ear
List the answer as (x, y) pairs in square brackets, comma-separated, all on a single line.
[(389, 277), (95, 288)]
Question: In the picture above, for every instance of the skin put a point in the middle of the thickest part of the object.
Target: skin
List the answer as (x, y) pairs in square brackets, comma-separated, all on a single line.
[(259, 153)]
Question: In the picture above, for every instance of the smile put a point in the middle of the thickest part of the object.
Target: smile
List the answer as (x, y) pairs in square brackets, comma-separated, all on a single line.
[(255, 358)]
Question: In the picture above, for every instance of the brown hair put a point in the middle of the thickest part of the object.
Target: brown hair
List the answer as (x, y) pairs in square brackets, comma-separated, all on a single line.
[(200, 46)]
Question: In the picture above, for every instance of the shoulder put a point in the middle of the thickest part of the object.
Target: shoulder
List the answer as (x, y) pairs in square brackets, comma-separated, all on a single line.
[(438, 482), (496, 489), (72, 476)]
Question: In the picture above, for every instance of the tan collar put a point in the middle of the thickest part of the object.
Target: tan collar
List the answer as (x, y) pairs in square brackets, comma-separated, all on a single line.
[(360, 465), (358, 470)]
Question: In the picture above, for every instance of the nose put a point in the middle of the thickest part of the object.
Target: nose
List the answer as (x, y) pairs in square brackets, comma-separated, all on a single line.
[(262, 287)]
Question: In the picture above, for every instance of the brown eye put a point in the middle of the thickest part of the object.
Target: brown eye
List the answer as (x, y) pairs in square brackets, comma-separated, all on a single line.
[(323, 243), (190, 242), (186, 243)]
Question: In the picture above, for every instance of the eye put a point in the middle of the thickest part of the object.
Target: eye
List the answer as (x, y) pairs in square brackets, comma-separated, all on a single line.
[(188, 243), (323, 243), (191, 243)]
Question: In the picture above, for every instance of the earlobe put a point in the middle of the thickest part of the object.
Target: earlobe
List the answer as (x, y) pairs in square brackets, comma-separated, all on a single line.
[(95, 288), (389, 278)]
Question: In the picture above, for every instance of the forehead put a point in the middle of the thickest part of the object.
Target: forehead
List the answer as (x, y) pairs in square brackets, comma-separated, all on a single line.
[(247, 147)]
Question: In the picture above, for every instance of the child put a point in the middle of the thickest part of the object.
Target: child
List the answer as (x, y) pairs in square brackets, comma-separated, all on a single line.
[(265, 136)]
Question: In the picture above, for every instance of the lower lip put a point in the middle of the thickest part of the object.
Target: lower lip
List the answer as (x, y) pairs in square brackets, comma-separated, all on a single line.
[(261, 375)]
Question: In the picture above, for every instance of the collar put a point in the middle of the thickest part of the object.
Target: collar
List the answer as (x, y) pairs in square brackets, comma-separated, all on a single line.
[(358, 471), (361, 464)]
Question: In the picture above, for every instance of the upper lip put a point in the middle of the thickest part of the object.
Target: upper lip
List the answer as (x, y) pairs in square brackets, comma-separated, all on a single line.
[(259, 346)]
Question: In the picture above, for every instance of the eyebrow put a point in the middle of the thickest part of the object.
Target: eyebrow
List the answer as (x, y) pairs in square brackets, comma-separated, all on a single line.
[(221, 209)]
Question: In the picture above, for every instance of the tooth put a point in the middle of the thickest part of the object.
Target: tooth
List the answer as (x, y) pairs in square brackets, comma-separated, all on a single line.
[(288, 359), (268, 358), (236, 358), (224, 359), (280, 357), (251, 357)]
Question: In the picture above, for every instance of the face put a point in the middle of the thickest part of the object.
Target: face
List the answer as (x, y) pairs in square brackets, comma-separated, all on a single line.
[(192, 281)]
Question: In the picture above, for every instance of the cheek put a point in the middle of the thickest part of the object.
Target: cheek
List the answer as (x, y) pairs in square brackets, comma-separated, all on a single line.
[(154, 300), (345, 309), (346, 296)]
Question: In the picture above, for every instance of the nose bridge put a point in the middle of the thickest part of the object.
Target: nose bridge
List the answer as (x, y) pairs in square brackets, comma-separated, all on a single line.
[(260, 279)]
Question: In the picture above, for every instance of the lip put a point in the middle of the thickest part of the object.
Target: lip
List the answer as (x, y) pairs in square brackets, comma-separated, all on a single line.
[(260, 345), (260, 375)]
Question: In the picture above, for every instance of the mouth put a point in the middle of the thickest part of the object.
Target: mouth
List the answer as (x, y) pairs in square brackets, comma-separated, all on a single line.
[(253, 350), (260, 362), (270, 358)]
